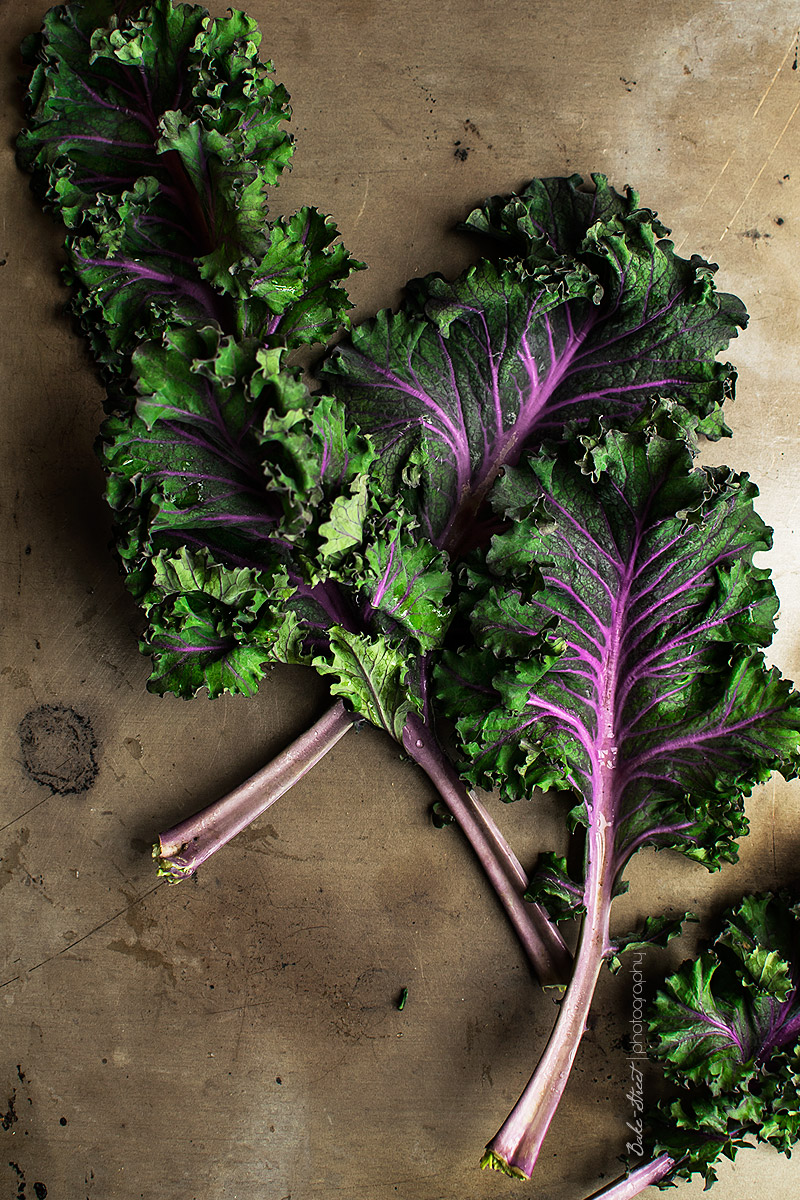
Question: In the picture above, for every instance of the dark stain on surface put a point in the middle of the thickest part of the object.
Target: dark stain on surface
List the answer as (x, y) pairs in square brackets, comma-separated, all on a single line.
[(12, 858), (145, 955), (58, 747), (20, 1174), (461, 150), (86, 617), (9, 1117), (39, 1189), (134, 747)]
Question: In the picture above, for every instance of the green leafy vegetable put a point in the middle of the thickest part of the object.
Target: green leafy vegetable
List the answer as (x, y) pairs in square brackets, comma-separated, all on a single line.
[(155, 136), (589, 312), (726, 1032), (643, 690), (246, 522), (616, 617), (216, 477)]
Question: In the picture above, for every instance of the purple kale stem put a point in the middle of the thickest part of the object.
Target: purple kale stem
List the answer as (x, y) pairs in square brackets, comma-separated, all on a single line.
[(515, 1147), (513, 866), (543, 944), (182, 849), (630, 1185)]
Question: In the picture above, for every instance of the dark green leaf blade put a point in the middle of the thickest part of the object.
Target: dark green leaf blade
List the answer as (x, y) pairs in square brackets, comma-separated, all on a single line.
[(456, 384), (650, 606), (731, 1042), (156, 137)]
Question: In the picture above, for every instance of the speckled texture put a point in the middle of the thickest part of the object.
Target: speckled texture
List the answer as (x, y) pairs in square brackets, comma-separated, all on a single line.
[(238, 1036)]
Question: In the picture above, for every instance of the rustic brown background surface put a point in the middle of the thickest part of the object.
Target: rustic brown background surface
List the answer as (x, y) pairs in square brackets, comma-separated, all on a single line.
[(237, 1036)]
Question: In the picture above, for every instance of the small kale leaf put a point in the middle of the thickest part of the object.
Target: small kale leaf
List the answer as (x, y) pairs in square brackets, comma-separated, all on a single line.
[(654, 931), (553, 886), (728, 1037)]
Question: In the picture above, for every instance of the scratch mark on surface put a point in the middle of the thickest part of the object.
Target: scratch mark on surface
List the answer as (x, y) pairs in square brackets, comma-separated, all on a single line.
[(716, 181), (19, 816), (731, 156), (344, 1190), (83, 937), (221, 1012), (329, 1070), (76, 648), (96, 617), (410, 243), (387, 124), (789, 120), (792, 45), (363, 203), (707, 196), (307, 929)]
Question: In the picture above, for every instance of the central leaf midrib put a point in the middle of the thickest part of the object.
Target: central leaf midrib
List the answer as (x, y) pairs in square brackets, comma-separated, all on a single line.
[(508, 444)]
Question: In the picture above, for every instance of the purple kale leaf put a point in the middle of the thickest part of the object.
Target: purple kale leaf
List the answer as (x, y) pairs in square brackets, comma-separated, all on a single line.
[(643, 691), (216, 476), (469, 374), (156, 137), (725, 1029)]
